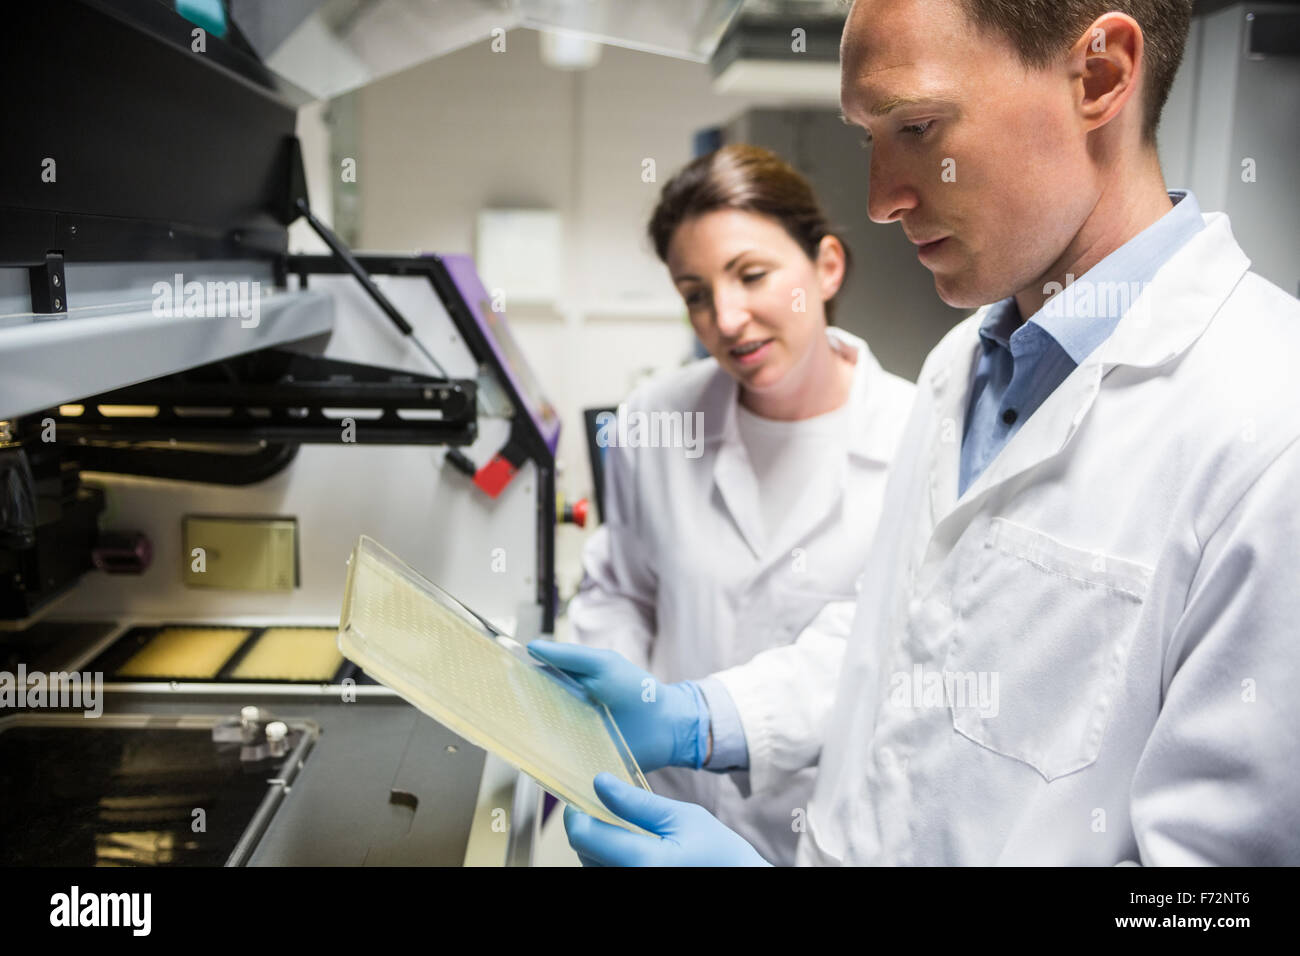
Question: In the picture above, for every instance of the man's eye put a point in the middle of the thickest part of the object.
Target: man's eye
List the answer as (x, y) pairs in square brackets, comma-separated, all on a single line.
[(866, 141), (918, 129)]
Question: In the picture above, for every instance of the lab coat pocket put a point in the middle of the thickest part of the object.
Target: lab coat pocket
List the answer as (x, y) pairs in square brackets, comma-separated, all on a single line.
[(1046, 628)]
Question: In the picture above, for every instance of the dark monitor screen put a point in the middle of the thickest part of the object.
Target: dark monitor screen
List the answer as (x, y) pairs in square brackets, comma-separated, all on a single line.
[(596, 452)]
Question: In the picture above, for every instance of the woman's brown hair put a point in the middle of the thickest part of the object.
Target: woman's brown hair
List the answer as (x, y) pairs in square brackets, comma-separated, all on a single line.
[(749, 179)]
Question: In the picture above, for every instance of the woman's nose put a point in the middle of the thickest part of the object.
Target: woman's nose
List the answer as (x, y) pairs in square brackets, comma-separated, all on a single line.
[(731, 313)]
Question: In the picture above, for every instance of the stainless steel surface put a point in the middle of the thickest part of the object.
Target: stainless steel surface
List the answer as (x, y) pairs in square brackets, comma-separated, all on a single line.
[(342, 809), (49, 362), (339, 810), (274, 797), (525, 821)]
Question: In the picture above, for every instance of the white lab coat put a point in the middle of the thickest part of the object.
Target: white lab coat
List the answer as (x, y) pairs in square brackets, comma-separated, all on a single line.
[(681, 580), (1129, 567)]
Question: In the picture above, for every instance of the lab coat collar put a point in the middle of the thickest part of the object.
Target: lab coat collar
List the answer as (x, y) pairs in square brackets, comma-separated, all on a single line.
[(949, 385), (1134, 264), (1176, 308), (1171, 313), (870, 437), (736, 482), (733, 474)]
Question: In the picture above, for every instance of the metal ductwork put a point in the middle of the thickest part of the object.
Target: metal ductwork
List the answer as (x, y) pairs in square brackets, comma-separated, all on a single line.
[(783, 51), (328, 47)]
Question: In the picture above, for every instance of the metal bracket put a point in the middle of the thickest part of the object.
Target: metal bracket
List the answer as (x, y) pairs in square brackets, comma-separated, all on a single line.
[(49, 287)]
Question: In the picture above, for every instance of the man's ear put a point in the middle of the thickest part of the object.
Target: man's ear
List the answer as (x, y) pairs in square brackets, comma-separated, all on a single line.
[(831, 264), (1106, 64)]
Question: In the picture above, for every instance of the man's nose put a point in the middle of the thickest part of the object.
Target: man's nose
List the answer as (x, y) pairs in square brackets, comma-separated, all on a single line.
[(889, 194)]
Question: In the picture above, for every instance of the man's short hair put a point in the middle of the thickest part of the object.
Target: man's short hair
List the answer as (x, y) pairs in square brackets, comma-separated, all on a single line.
[(1041, 30)]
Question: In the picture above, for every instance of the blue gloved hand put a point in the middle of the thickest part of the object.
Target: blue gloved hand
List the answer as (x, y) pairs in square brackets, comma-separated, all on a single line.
[(692, 836), (665, 725)]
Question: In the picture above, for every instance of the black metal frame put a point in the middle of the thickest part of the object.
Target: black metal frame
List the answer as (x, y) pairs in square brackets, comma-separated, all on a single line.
[(224, 467), (280, 396), (525, 440)]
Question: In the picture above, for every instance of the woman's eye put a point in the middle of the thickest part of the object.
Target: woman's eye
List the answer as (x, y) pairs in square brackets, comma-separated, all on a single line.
[(693, 299), (752, 277), (918, 129)]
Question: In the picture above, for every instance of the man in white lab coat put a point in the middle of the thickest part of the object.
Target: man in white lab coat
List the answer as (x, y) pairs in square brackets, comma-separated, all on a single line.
[(1076, 638)]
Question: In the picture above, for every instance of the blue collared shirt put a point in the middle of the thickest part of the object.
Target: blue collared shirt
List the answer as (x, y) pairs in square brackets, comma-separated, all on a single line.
[(1019, 368), (1022, 364)]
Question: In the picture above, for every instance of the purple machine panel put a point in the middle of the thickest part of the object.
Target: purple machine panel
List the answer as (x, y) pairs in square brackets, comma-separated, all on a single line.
[(509, 356)]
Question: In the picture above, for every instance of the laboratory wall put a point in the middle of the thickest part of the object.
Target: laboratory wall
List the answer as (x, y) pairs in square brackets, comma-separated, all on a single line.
[(1230, 133)]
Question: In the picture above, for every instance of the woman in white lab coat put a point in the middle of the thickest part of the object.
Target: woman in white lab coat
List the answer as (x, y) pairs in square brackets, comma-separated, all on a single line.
[(748, 532)]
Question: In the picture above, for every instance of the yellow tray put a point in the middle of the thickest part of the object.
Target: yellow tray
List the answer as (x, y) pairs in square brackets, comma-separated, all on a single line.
[(291, 653), (412, 636)]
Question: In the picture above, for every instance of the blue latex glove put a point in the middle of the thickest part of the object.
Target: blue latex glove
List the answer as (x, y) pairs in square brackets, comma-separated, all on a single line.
[(665, 725), (692, 836)]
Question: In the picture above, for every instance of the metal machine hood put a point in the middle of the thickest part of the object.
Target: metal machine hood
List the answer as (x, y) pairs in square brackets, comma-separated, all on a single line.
[(331, 46)]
